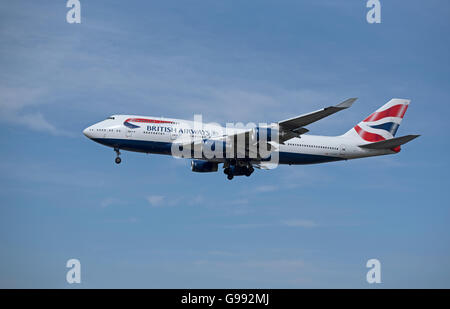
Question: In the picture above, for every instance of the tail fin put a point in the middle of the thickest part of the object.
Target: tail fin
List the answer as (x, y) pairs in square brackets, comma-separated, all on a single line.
[(382, 124)]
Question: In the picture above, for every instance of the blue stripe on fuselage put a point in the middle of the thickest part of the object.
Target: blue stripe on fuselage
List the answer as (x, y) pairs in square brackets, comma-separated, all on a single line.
[(166, 149), (304, 158), (137, 145), (130, 125)]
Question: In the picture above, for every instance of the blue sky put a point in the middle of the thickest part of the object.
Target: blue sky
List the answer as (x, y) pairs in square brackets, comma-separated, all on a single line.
[(151, 222)]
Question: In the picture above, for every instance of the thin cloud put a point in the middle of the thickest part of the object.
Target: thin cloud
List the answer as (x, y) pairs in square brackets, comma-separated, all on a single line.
[(247, 225), (299, 223), (13, 105), (130, 220), (278, 270), (37, 172), (161, 200), (266, 188), (155, 200), (37, 122), (221, 253), (239, 201), (289, 223), (109, 201), (199, 199)]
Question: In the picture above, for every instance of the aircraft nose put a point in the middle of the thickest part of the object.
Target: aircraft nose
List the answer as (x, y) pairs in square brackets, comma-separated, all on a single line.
[(87, 132)]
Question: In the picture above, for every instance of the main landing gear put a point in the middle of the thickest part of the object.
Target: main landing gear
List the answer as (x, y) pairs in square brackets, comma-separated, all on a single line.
[(238, 169), (118, 159)]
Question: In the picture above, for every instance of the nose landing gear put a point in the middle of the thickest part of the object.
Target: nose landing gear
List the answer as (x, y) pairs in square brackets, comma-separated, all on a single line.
[(118, 159)]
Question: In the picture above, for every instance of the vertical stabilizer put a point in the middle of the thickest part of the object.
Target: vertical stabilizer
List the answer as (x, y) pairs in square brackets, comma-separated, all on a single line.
[(382, 124)]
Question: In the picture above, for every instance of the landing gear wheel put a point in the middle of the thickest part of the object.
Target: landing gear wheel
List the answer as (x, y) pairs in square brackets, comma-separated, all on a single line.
[(118, 160), (230, 176), (249, 171)]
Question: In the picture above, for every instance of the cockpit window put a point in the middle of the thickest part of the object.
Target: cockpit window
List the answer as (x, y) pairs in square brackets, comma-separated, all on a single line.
[(111, 118)]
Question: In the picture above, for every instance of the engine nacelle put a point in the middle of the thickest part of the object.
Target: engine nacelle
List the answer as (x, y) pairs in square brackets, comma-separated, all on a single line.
[(200, 166)]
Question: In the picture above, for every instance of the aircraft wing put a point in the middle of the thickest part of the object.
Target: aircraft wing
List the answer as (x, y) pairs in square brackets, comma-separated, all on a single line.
[(241, 143), (294, 127), (288, 129)]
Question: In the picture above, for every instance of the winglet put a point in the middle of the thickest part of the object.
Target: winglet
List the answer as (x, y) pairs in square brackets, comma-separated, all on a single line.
[(347, 103)]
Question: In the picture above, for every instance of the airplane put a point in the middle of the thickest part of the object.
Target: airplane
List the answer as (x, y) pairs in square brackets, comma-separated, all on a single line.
[(241, 150)]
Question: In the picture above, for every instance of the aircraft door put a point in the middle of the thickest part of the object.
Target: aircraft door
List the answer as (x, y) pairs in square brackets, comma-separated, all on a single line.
[(342, 149), (128, 132)]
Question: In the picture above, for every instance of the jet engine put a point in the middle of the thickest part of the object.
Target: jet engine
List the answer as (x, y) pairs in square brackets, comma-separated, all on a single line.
[(200, 166)]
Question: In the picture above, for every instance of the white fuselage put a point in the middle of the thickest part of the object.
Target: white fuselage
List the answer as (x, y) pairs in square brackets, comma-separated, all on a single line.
[(157, 135)]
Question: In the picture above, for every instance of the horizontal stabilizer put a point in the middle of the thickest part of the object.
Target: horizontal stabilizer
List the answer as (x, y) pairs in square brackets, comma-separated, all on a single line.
[(390, 143)]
